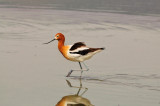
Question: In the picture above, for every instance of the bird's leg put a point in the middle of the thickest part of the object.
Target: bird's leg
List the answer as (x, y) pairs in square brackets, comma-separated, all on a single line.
[(85, 67), (68, 75), (80, 65), (81, 69)]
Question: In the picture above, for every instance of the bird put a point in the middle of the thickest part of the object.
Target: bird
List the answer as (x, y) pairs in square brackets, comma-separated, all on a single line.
[(78, 52)]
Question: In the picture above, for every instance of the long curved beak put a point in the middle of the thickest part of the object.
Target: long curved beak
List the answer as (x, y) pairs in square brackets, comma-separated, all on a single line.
[(49, 41)]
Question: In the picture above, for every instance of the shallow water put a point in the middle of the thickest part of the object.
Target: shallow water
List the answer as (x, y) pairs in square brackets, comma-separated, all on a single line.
[(141, 7), (32, 74)]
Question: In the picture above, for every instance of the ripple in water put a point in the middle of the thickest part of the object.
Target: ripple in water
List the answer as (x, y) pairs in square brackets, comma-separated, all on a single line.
[(148, 82)]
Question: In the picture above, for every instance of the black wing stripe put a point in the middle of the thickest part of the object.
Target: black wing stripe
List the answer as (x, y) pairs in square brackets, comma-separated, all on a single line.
[(77, 45), (86, 51)]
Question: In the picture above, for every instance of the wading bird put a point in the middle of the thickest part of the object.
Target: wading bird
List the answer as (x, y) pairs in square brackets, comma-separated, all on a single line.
[(77, 52)]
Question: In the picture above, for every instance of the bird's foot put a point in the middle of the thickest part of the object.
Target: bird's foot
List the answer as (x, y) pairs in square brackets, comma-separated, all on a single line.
[(69, 73)]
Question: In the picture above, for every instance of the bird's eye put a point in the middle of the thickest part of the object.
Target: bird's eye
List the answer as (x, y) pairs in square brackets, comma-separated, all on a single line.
[(57, 35)]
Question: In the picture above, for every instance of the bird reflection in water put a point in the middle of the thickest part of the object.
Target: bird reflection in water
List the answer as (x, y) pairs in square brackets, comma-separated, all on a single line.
[(76, 99)]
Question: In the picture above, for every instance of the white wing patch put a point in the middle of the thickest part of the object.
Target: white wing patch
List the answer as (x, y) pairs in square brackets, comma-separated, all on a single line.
[(75, 55), (70, 53)]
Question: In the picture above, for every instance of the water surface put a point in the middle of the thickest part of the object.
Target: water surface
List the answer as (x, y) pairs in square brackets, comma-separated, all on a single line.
[(32, 74), (141, 7)]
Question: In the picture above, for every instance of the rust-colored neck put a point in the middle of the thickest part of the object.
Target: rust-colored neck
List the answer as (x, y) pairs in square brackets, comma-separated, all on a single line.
[(61, 44)]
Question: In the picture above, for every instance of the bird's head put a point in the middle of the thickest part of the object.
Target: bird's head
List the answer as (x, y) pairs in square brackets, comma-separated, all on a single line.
[(58, 36)]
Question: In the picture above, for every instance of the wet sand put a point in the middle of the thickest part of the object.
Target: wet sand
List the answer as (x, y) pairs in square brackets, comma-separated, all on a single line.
[(127, 73)]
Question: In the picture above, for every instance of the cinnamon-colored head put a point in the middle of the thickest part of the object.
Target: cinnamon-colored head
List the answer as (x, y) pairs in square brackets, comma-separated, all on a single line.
[(59, 36)]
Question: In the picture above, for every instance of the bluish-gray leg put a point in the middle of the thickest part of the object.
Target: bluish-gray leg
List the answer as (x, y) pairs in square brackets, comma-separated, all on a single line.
[(81, 69), (68, 75), (85, 66)]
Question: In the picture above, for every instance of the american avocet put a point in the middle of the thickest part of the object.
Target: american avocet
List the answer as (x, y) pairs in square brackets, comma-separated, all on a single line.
[(77, 52)]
